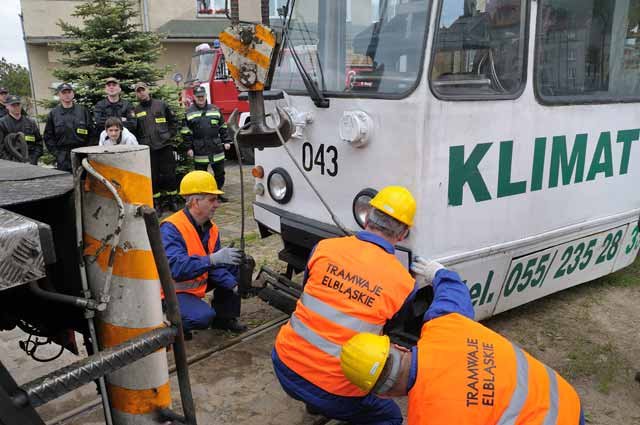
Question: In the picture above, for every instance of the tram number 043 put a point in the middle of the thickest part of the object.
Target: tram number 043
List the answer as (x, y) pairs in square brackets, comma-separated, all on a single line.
[(324, 157)]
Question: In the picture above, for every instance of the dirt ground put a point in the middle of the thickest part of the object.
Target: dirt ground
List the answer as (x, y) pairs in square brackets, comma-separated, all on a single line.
[(589, 333)]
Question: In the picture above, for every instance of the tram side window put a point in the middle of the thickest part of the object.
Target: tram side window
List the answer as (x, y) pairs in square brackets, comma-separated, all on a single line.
[(479, 49), (588, 51)]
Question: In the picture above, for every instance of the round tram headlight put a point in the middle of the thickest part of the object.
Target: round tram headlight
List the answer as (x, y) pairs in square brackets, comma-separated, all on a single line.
[(361, 205), (280, 185)]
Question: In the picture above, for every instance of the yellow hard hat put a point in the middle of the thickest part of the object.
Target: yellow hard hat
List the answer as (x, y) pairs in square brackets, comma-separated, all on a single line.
[(199, 182), (397, 202), (363, 358)]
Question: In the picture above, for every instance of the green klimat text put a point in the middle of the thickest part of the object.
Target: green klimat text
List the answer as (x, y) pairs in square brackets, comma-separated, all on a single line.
[(567, 164)]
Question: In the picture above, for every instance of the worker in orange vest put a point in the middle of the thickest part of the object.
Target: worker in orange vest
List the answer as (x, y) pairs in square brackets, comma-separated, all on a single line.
[(352, 284), (198, 261), (460, 372)]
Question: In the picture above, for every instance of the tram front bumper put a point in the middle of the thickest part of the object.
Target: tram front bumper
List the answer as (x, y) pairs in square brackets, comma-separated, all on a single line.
[(299, 234)]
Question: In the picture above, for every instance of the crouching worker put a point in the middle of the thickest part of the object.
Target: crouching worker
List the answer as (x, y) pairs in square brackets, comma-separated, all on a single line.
[(461, 372), (353, 284), (198, 262)]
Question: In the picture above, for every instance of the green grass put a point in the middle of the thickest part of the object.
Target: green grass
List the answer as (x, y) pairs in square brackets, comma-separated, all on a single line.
[(248, 239), (601, 362)]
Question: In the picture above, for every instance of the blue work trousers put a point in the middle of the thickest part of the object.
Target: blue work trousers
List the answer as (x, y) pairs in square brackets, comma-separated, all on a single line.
[(196, 313), (370, 410)]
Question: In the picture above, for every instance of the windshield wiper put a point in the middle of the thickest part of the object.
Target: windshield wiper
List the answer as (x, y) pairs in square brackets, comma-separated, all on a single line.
[(312, 88)]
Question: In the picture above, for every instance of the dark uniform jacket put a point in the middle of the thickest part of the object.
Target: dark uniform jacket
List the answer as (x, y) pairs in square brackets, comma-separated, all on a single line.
[(122, 109), (66, 129), (206, 132), (3, 111), (156, 124), (29, 128)]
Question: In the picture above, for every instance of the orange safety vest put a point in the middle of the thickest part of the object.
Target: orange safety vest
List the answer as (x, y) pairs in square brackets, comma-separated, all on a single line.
[(469, 375), (353, 286), (198, 285)]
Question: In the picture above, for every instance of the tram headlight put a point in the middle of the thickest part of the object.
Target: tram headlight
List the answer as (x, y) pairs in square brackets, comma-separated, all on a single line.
[(361, 205), (280, 185)]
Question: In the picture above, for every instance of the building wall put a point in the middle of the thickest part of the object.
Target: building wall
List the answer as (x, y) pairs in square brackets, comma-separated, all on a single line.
[(161, 11), (41, 70), (178, 57), (41, 29), (41, 16)]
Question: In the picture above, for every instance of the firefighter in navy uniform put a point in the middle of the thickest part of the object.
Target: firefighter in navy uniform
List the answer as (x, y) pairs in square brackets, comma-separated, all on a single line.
[(156, 127), (16, 122), (69, 126), (3, 99), (206, 134), (114, 106)]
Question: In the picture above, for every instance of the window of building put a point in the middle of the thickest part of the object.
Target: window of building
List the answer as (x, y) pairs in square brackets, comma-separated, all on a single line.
[(479, 49), (210, 8), (596, 51)]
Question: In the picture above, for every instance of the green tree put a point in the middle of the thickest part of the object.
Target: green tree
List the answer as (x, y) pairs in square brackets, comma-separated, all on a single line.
[(15, 78), (109, 42)]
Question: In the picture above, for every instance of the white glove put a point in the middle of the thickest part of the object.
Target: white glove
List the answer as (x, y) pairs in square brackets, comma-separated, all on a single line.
[(425, 270), (226, 255)]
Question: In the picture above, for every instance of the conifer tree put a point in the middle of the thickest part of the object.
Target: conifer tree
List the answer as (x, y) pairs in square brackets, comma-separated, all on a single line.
[(109, 42)]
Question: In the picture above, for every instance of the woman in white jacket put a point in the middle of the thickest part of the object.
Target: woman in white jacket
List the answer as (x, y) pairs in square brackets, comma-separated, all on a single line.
[(115, 134)]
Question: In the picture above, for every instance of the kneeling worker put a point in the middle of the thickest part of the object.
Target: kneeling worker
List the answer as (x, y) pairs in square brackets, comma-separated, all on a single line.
[(461, 372), (197, 260), (353, 284)]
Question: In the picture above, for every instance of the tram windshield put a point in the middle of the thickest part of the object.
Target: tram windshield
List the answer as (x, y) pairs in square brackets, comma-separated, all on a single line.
[(355, 46)]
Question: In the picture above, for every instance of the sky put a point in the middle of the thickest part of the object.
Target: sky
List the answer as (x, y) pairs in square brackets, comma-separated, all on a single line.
[(11, 42)]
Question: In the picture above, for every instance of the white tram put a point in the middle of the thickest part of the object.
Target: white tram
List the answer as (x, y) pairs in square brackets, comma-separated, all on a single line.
[(513, 122)]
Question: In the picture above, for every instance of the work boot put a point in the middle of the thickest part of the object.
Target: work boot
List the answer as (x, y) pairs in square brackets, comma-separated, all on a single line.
[(232, 325), (223, 199), (310, 410), (172, 204)]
